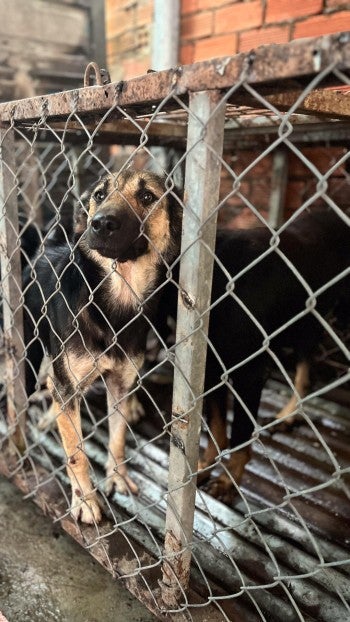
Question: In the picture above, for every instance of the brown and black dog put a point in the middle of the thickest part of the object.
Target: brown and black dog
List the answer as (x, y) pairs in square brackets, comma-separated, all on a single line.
[(89, 305), (93, 306)]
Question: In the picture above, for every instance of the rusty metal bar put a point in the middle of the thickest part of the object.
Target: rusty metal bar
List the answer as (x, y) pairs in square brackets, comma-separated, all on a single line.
[(267, 64), (202, 180), (11, 284)]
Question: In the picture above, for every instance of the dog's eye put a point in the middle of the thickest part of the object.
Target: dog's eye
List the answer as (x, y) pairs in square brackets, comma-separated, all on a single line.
[(147, 197), (99, 196)]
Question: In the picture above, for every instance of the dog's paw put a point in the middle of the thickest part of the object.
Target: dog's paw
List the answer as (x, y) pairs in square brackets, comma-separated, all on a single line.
[(47, 420), (120, 481), (224, 487), (286, 417), (85, 509), (135, 409)]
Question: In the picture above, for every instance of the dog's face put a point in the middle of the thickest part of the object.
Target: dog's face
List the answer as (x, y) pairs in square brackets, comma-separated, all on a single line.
[(126, 215)]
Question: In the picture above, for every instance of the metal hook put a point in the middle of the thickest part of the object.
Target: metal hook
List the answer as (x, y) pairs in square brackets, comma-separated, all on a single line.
[(102, 76)]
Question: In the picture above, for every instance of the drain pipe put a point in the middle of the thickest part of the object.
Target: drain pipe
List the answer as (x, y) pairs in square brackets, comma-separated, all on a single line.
[(165, 55), (166, 34)]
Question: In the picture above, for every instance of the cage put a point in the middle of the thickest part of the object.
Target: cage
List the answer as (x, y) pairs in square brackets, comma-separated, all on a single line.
[(259, 142)]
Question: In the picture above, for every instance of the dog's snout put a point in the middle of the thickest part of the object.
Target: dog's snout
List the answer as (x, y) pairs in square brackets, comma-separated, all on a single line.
[(105, 223), (114, 231)]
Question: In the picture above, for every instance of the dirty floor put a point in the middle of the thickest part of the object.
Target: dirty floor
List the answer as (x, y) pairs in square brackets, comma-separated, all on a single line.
[(46, 576)]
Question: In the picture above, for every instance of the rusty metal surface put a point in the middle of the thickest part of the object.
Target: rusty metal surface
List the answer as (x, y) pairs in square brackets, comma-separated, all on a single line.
[(327, 102), (267, 64)]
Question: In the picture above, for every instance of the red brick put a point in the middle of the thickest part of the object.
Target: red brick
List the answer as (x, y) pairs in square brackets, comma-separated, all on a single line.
[(238, 17), (215, 4), (261, 36), (260, 193), (187, 54), (323, 158), (295, 194), (240, 161), (188, 6), (338, 190), (223, 45), (323, 25), (280, 10), (226, 188), (247, 219), (198, 25)]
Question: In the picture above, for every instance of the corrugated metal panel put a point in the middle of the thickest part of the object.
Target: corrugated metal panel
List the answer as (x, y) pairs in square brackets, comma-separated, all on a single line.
[(285, 524)]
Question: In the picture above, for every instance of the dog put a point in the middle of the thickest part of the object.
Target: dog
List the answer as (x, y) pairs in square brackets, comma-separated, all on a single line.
[(89, 306), (265, 286)]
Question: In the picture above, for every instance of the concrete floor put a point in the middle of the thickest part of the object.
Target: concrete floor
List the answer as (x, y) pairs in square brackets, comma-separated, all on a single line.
[(46, 576)]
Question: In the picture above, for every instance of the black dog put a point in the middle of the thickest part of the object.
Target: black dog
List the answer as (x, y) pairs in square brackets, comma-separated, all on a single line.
[(89, 306), (267, 306)]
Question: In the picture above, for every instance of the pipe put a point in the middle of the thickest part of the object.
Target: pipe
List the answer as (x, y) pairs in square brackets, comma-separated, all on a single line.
[(166, 34)]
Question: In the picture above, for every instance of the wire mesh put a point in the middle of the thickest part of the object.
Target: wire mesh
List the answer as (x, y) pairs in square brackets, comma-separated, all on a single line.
[(107, 309)]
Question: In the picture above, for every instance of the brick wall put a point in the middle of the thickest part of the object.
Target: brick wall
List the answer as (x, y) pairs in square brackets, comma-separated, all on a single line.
[(218, 27), (212, 28), (301, 184), (128, 32)]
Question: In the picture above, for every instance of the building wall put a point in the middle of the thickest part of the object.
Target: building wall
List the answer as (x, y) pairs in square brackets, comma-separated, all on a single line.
[(128, 34), (212, 28), (218, 27), (45, 46)]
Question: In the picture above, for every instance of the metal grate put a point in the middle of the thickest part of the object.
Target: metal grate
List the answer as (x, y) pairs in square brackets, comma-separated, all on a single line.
[(221, 538)]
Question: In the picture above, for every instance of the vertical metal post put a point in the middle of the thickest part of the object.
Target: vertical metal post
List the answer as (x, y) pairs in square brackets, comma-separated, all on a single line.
[(279, 178), (11, 286), (202, 181), (165, 34)]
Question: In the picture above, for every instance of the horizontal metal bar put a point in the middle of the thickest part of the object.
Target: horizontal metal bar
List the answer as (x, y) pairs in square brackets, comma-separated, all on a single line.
[(266, 64)]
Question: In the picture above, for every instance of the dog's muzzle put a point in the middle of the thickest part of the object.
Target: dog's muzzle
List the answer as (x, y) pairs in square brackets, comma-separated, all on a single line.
[(116, 234)]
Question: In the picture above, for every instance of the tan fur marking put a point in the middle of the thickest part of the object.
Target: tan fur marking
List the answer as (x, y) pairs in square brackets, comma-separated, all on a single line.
[(223, 487), (217, 440), (119, 417), (301, 384), (129, 281), (84, 498)]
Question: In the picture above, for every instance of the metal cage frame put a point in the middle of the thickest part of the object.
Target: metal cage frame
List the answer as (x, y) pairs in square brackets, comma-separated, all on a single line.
[(286, 77)]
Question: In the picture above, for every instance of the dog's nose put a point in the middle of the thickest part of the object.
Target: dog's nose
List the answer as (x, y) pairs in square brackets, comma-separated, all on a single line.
[(105, 223)]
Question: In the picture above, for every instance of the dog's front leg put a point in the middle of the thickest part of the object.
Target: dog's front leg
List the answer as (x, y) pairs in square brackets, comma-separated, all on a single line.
[(84, 498), (119, 417), (301, 385)]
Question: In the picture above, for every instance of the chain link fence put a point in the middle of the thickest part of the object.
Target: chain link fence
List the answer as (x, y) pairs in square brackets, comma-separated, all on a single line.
[(207, 471)]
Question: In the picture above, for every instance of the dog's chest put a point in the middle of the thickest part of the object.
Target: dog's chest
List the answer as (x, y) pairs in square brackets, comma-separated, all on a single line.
[(84, 368)]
